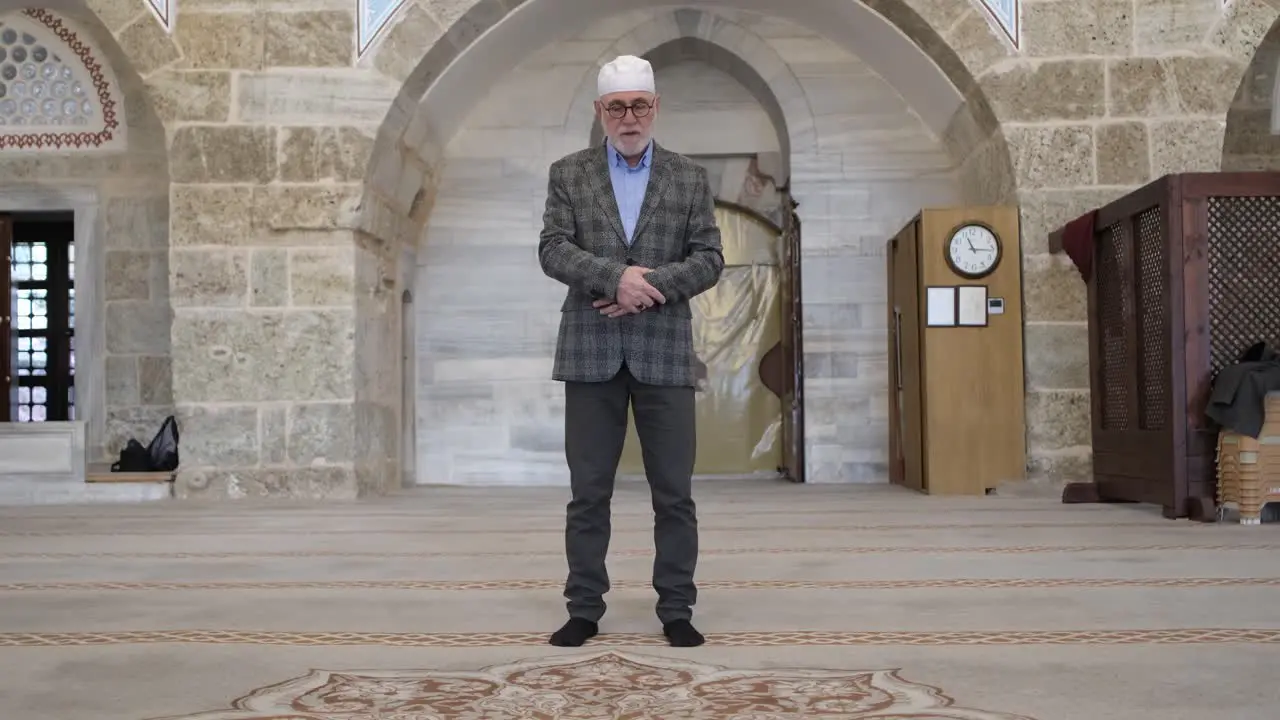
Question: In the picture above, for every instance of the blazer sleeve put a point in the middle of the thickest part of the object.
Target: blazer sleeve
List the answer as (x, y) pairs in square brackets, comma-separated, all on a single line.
[(704, 262), (558, 253)]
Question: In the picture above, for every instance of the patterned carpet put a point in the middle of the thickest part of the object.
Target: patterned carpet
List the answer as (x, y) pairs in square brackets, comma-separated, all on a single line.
[(817, 602), (793, 638), (602, 686)]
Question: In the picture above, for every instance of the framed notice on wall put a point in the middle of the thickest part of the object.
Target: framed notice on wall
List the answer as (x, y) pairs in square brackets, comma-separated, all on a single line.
[(971, 306), (956, 306), (940, 307)]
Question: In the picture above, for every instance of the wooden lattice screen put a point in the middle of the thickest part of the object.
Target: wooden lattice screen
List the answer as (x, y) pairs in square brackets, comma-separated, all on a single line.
[(1114, 254), (1244, 275), (1186, 276)]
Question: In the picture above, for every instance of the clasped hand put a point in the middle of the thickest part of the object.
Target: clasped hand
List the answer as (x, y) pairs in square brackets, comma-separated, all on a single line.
[(635, 295)]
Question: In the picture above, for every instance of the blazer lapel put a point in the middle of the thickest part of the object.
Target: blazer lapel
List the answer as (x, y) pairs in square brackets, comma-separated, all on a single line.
[(602, 188), (659, 178)]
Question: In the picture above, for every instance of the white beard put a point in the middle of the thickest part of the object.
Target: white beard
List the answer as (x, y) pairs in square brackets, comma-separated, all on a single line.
[(630, 146)]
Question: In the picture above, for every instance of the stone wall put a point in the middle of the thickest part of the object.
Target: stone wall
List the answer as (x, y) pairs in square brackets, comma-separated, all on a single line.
[(1110, 95), (281, 145), (270, 130), (127, 262)]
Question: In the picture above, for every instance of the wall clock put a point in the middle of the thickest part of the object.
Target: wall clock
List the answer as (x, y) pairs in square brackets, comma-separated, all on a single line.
[(973, 250)]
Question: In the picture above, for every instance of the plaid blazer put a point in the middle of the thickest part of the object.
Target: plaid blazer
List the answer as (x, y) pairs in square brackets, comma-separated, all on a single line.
[(583, 246)]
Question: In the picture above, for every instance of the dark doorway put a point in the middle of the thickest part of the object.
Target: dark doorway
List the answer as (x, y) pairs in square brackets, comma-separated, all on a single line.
[(39, 335)]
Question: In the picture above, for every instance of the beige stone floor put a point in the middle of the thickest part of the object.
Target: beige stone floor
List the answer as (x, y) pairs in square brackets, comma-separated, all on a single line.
[(1010, 607)]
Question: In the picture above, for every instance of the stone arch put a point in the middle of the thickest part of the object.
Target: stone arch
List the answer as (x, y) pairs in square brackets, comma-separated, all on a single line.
[(1251, 139), (958, 38), (955, 39), (693, 34), (112, 174), (409, 160)]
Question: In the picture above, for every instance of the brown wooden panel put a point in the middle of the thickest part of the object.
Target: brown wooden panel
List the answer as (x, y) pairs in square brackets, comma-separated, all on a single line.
[(1198, 186), (1121, 488), (1176, 332), (893, 329), (975, 436), (906, 392), (1134, 423), (1155, 192), (1195, 313), (792, 342), (1186, 273), (129, 477), (1130, 454)]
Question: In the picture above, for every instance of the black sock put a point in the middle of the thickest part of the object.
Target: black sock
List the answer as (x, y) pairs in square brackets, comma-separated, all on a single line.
[(574, 633), (682, 633)]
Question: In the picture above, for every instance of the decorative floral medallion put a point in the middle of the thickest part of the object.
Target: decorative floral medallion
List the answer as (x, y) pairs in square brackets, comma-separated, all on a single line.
[(609, 685)]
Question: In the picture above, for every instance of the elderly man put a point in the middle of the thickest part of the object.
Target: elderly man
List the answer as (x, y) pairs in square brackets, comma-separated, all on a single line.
[(630, 228)]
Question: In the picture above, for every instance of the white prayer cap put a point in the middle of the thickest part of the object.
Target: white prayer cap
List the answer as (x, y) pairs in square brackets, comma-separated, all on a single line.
[(627, 73)]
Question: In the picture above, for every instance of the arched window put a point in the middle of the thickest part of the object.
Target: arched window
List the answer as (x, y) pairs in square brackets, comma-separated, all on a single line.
[(55, 92)]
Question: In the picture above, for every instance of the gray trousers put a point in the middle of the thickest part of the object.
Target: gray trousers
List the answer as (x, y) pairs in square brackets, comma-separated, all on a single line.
[(595, 431)]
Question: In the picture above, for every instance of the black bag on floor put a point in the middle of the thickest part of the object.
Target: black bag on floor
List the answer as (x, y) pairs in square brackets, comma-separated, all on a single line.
[(162, 453), (160, 456), (133, 458)]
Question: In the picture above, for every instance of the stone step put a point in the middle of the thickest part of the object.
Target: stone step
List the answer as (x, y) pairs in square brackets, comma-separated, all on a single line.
[(40, 491), (46, 464), (104, 475)]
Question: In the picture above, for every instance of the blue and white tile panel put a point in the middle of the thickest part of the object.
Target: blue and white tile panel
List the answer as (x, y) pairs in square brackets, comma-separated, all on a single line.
[(372, 17), (1008, 16), (163, 10)]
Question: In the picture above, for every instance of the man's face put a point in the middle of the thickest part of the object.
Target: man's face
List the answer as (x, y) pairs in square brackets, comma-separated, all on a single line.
[(627, 118)]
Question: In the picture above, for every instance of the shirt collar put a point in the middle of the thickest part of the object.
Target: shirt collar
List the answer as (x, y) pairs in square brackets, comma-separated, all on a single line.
[(619, 161)]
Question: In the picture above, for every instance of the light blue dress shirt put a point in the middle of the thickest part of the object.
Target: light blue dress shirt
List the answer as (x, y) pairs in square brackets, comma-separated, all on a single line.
[(629, 185)]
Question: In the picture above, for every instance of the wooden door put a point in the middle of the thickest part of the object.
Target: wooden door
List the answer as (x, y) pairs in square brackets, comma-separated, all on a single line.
[(6, 318), (792, 352), (906, 391), (893, 326)]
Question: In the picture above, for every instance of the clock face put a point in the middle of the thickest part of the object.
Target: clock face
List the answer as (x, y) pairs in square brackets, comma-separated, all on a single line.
[(973, 251)]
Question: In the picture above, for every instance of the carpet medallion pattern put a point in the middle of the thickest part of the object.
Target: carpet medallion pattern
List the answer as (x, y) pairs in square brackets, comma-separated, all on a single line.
[(602, 686)]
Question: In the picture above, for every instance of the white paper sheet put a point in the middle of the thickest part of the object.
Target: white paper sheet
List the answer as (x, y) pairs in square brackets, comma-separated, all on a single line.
[(973, 305), (940, 307)]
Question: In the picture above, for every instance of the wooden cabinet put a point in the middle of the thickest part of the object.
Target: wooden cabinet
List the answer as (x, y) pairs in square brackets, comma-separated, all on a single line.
[(956, 399), (1184, 278)]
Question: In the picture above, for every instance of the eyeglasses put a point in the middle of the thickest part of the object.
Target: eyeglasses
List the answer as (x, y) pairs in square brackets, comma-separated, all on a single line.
[(618, 111)]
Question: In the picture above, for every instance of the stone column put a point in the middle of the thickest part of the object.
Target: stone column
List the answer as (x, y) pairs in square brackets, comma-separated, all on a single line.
[(270, 131)]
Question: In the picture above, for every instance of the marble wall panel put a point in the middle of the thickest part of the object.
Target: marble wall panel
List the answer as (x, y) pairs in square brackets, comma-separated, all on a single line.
[(486, 316)]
